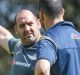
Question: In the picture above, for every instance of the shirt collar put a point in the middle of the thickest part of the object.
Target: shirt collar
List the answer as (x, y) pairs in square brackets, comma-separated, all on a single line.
[(63, 23)]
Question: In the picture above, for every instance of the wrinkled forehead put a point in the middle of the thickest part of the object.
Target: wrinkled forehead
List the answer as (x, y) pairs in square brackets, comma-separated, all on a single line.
[(25, 15)]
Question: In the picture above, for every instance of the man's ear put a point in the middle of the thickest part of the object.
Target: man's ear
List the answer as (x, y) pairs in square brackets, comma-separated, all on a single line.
[(41, 16), (39, 23), (63, 11), (15, 29)]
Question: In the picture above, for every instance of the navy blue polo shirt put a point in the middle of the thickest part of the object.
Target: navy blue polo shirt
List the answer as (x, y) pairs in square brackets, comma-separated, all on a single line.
[(68, 54), (24, 58)]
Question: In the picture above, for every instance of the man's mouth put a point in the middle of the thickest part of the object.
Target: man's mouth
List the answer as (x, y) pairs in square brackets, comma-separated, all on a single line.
[(28, 34)]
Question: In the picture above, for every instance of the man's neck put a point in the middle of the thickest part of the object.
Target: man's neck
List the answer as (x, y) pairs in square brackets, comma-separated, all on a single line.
[(52, 22)]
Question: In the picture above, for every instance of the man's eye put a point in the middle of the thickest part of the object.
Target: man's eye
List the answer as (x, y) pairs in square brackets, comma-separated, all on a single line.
[(22, 25), (30, 24)]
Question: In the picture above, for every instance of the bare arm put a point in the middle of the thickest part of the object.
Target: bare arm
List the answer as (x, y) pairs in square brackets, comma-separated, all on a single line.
[(5, 35), (42, 67)]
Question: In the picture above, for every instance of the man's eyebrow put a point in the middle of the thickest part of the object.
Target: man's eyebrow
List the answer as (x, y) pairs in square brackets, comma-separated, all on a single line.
[(20, 18)]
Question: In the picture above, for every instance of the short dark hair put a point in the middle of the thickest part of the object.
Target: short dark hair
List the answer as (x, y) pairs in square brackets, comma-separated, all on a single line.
[(34, 13), (52, 8)]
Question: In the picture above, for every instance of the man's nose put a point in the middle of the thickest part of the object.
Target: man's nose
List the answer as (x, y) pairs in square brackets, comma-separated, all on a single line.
[(27, 27)]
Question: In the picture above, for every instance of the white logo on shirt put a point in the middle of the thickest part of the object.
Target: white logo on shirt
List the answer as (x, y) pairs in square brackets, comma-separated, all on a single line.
[(32, 57), (75, 36), (20, 63)]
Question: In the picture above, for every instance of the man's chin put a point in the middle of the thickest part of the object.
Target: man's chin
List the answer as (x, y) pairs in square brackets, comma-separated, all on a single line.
[(31, 39)]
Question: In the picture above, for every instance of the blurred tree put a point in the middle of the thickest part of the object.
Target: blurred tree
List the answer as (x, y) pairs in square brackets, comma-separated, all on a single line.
[(8, 10), (72, 9)]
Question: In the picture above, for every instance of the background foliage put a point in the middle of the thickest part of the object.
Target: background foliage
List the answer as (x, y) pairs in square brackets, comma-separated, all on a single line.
[(8, 10)]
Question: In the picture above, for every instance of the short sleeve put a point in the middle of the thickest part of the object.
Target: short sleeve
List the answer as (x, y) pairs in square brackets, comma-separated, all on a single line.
[(12, 42), (46, 50)]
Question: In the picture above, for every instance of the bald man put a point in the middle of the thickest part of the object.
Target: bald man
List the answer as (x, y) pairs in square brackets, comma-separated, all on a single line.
[(24, 49)]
